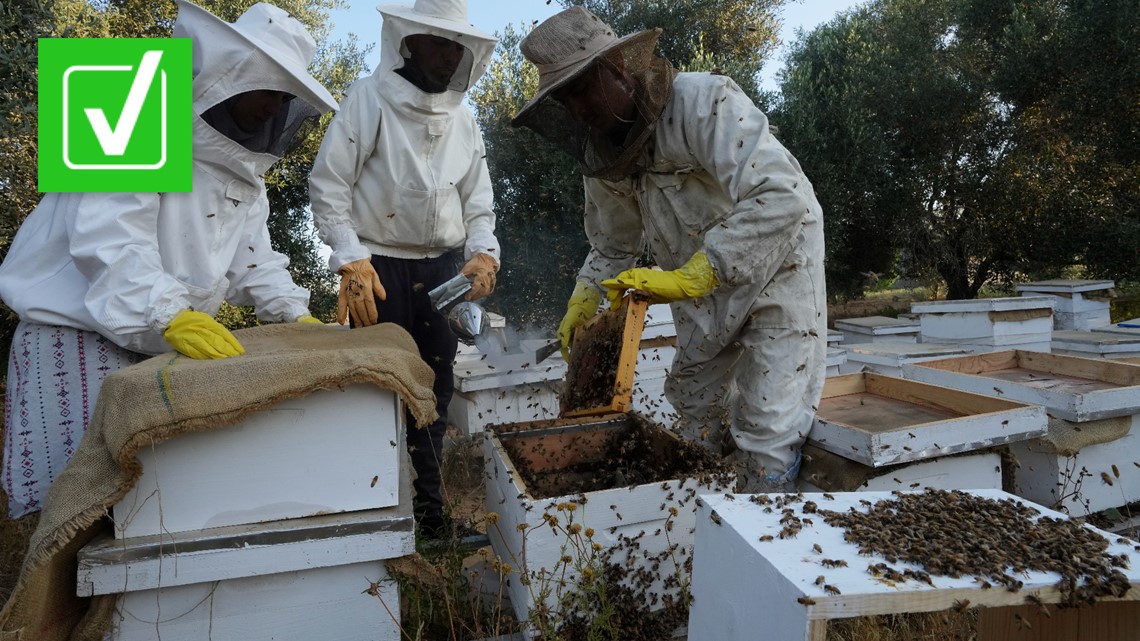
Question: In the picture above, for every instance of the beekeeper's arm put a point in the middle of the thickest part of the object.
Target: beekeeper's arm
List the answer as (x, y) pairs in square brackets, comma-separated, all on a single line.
[(347, 144), (772, 195), (259, 276), (613, 227), (481, 250), (114, 244)]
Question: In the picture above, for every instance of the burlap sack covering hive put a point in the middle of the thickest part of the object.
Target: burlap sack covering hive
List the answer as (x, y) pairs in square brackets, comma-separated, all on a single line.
[(171, 394)]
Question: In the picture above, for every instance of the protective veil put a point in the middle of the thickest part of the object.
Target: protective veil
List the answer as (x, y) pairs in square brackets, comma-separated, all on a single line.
[(401, 172), (103, 274)]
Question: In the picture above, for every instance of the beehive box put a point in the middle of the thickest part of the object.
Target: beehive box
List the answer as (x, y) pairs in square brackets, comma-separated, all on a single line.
[(880, 420), (876, 329), (1095, 344), (489, 394), (1069, 387), (834, 338), (818, 575), (1077, 304), (1127, 328), (889, 357), (618, 475), (835, 361), (1096, 399), (988, 324), (331, 451), (298, 579), (824, 471)]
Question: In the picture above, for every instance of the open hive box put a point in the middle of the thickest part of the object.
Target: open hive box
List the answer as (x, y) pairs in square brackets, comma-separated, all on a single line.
[(598, 491), (871, 424), (1089, 460)]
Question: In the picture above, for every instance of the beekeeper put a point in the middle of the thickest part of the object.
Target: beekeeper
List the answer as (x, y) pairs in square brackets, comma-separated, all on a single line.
[(102, 280), (685, 163), (401, 193)]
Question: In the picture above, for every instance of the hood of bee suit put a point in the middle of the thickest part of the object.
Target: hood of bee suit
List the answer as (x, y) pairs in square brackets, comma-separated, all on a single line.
[(443, 18)]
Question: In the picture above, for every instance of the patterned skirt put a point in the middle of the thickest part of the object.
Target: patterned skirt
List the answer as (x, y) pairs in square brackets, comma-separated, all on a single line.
[(54, 376)]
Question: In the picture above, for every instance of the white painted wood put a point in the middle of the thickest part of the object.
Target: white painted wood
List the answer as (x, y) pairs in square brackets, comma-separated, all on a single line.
[(112, 566), (327, 603), (612, 513), (649, 400), (1076, 484), (1079, 398), (658, 322), (835, 360), (1064, 286), (988, 321), (834, 338), (888, 357), (972, 422), (1077, 304), (874, 329), (477, 374), (331, 451), (1126, 328), (977, 471), (734, 573), (1095, 344)]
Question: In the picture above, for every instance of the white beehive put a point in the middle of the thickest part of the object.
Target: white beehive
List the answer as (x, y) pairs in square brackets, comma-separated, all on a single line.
[(835, 360), (640, 512), (741, 561), (1095, 344), (834, 338), (331, 451), (1126, 328), (489, 394), (889, 357), (1094, 396), (876, 329), (988, 324), (978, 470), (879, 420), (1077, 304)]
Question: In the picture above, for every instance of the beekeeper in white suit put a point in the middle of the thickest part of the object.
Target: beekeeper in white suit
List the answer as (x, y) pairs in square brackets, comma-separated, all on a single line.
[(401, 193), (101, 280), (685, 163)]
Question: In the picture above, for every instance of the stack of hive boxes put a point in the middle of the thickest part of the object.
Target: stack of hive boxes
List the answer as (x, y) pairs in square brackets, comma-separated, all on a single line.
[(988, 324), (1077, 304), (281, 523)]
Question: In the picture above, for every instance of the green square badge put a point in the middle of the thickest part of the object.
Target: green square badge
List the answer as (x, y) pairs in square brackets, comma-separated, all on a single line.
[(115, 114)]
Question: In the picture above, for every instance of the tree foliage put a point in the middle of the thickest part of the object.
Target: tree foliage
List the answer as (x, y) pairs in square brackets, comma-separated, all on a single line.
[(970, 141), (538, 190), (336, 65)]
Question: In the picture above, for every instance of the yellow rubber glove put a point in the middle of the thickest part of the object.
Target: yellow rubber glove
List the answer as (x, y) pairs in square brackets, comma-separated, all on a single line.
[(359, 288), (198, 335), (481, 270), (692, 280), (582, 306), (309, 318)]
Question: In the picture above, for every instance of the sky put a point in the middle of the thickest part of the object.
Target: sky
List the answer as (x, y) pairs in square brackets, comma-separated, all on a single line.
[(492, 16)]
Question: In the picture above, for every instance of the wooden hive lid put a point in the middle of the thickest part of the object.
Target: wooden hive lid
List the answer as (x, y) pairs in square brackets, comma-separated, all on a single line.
[(599, 377)]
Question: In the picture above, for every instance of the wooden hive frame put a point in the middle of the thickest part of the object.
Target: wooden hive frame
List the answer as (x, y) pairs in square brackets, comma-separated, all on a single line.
[(607, 343)]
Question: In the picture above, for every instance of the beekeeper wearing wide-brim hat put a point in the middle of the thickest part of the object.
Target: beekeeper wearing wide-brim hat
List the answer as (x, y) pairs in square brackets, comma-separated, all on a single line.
[(685, 164), (401, 193), (100, 280)]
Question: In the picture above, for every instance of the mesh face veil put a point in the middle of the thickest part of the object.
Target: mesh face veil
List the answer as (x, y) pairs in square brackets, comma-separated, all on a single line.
[(596, 154)]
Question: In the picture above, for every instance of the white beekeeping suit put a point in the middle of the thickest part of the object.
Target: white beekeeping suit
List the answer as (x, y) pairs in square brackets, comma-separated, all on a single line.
[(402, 172), (98, 278), (686, 165)]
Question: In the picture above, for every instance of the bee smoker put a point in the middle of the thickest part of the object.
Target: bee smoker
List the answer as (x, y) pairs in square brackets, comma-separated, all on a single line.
[(466, 319)]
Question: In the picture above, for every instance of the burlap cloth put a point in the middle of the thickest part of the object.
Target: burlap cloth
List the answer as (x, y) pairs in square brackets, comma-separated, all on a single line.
[(168, 395)]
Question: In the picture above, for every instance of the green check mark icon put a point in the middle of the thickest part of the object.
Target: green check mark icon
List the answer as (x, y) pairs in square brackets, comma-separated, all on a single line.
[(114, 141)]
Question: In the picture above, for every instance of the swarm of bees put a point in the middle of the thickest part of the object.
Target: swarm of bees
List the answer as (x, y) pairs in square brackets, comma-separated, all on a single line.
[(958, 534)]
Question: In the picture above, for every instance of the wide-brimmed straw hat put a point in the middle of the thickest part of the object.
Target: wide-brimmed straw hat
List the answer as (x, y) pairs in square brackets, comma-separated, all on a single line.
[(567, 44), (282, 38)]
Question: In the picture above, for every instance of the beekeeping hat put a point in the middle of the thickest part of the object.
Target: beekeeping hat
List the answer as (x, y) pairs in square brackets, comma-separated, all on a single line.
[(568, 43), (443, 18), (564, 47), (282, 41)]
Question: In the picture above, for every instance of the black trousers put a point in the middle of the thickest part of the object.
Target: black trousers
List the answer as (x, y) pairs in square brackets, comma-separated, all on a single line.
[(407, 283)]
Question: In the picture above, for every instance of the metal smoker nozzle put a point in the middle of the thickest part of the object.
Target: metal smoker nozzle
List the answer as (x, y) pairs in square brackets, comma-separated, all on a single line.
[(467, 320)]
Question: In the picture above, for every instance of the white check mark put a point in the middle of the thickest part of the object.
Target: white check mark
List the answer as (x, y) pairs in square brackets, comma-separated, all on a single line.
[(114, 141)]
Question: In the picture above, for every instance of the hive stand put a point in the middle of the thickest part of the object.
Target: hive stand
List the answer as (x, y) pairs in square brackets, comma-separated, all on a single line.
[(748, 590)]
